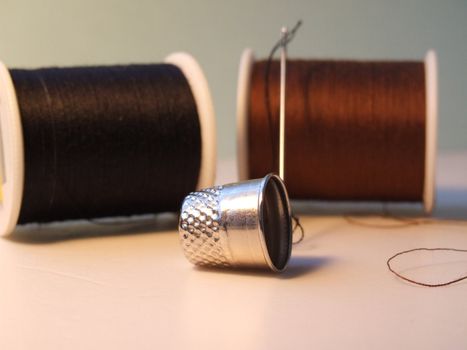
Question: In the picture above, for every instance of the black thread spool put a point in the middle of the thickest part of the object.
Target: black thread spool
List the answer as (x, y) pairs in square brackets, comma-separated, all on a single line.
[(183, 127), (324, 140)]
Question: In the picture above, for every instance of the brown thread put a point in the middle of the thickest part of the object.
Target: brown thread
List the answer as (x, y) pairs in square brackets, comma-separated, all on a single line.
[(355, 130), (404, 222), (388, 263), (401, 222), (297, 224), (416, 111)]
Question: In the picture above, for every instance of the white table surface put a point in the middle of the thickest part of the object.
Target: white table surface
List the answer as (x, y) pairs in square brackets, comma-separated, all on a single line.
[(131, 288)]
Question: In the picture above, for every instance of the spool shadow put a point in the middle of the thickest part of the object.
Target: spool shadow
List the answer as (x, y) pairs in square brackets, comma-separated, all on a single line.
[(451, 204), (359, 208), (62, 231), (299, 266)]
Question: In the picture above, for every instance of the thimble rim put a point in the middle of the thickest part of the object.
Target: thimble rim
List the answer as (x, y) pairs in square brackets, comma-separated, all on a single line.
[(276, 264)]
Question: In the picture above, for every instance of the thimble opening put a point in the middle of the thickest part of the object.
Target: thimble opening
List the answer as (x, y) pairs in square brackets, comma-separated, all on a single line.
[(276, 222)]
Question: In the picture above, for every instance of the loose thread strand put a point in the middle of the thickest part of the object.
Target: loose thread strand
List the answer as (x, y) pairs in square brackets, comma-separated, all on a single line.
[(297, 224), (431, 285)]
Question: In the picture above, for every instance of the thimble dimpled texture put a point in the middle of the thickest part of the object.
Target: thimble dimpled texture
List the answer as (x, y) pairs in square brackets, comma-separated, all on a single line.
[(202, 236)]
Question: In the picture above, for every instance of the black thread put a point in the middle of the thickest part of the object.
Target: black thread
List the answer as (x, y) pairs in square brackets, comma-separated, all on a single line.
[(106, 141)]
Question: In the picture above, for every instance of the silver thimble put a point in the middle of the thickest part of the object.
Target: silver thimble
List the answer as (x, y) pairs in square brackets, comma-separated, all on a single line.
[(246, 224)]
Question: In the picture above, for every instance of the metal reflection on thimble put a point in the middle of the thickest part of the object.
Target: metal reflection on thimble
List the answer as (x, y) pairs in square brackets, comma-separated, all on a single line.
[(246, 224)]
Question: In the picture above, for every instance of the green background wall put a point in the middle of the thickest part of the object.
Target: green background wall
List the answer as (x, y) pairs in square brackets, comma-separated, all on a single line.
[(62, 32)]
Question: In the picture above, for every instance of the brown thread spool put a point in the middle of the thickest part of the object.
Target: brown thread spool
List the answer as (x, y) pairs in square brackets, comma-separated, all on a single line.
[(355, 130)]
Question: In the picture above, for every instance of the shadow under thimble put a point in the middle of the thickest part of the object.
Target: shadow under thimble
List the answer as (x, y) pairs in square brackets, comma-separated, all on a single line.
[(245, 224)]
